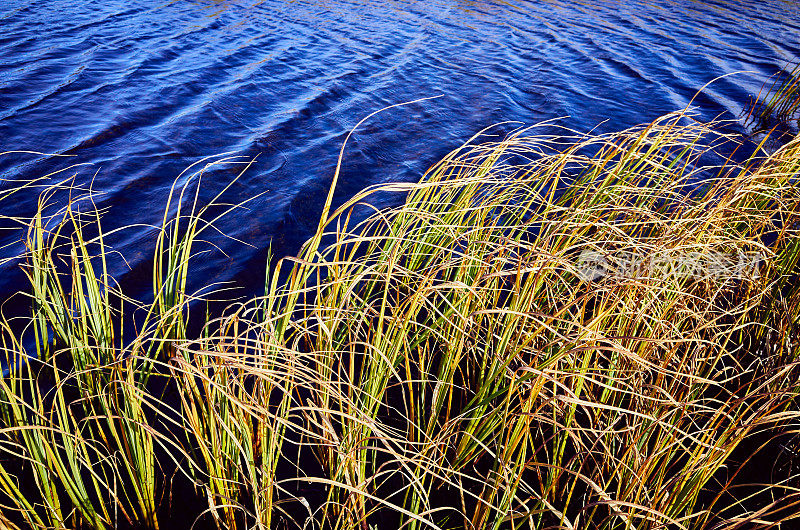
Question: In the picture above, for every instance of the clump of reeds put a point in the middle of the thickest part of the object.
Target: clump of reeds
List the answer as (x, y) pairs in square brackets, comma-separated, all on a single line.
[(573, 331), (777, 104)]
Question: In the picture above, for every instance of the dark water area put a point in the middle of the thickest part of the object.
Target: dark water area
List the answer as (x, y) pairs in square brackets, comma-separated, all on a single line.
[(138, 91)]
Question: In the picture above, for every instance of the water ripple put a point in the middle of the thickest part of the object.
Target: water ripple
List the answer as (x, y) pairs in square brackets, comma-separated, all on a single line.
[(143, 91)]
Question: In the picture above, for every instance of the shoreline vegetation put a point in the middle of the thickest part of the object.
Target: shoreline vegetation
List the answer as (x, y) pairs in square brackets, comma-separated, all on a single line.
[(574, 331)]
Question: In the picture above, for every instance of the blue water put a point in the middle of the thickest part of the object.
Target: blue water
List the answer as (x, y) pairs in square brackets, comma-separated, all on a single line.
[(138, 91)]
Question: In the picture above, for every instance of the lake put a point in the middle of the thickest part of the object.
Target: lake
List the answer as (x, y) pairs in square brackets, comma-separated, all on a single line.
[(137, 91)]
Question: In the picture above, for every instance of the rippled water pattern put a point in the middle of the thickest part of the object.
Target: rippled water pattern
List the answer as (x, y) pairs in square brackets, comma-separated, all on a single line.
[(140, 90)]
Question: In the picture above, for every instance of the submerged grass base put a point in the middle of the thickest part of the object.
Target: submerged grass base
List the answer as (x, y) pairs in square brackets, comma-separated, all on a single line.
[(550, 332)]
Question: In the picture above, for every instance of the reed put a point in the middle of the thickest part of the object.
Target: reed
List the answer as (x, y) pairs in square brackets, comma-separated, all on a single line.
[(776, 105), (571, 331)]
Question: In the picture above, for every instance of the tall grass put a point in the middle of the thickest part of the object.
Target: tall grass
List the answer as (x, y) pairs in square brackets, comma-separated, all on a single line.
[(571, 331), (777, 104)]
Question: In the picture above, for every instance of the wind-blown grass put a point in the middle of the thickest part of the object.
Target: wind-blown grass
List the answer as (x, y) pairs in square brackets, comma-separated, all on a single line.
[(549, 332), (777, 105)]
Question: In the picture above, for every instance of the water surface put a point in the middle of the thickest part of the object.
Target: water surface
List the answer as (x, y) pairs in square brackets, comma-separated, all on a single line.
[(140, 90)]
